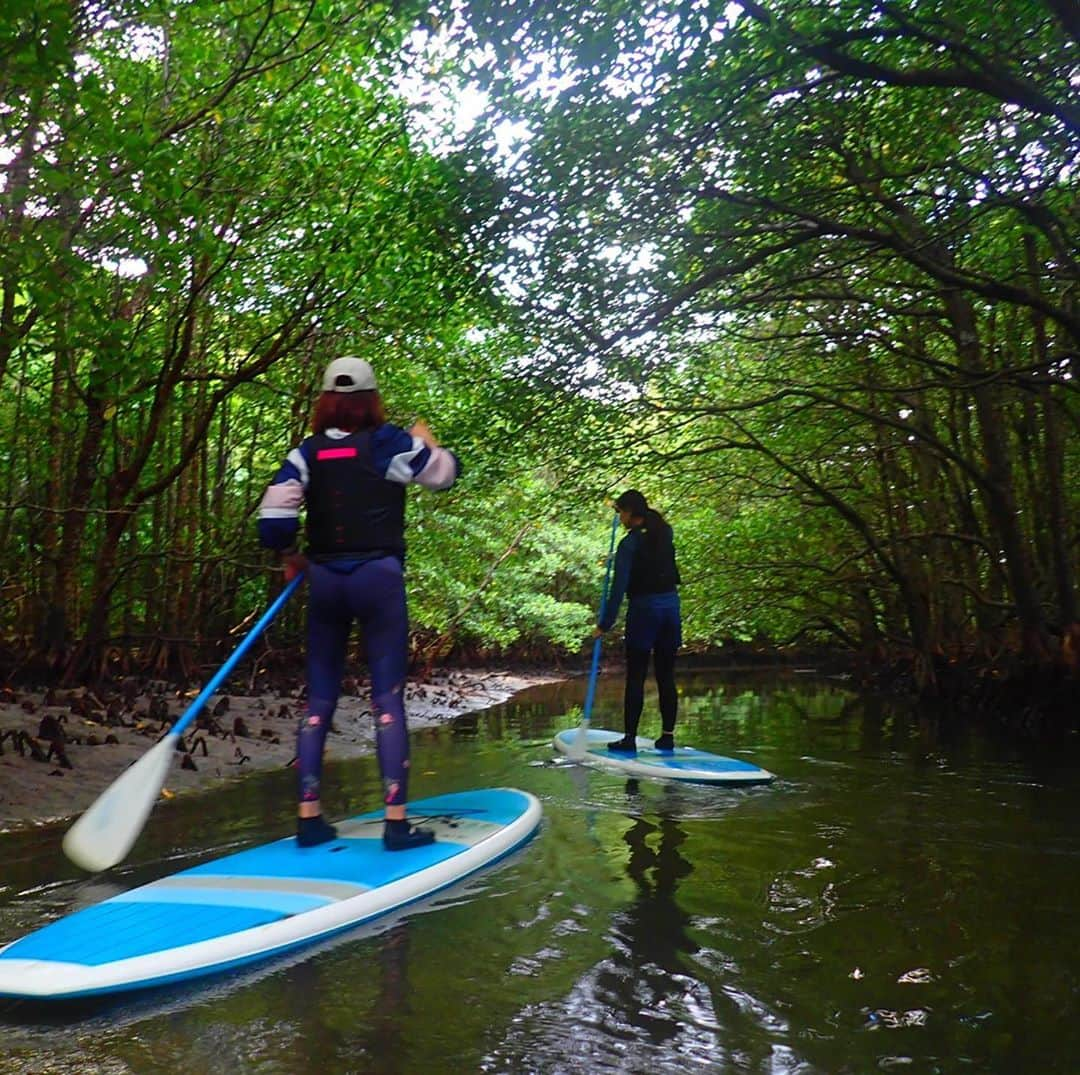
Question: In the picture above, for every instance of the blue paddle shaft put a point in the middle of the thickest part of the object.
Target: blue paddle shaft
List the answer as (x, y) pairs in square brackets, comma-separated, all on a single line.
[(593, 672), (192, 710), (595, 669)]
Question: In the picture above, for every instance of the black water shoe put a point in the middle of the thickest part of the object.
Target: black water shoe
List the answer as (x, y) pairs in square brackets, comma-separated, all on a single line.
[(312, 831), (666, 741), (625, 745), (401, 836)]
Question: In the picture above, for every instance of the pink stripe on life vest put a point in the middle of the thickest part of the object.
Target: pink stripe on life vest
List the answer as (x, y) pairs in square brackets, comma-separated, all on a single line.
[(335, 453)]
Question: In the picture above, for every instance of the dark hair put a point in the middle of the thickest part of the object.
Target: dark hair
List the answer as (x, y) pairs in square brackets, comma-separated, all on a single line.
[(635, 503), (348, 411)]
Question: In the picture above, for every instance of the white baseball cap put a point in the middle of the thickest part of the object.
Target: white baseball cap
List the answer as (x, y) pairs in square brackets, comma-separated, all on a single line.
[(349, 375)]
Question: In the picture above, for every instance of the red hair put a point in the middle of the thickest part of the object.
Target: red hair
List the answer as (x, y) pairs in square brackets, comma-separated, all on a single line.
[(352, 412)]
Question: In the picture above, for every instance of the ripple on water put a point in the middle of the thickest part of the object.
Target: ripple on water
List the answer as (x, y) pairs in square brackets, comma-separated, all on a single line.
[(918, 976), (615, 1018), (891, 1019)]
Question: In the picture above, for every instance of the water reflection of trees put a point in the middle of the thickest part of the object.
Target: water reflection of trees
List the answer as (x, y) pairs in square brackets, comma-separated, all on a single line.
[(365, 1025)]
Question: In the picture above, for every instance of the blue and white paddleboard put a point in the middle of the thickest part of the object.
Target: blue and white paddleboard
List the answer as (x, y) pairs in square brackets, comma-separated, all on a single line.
[(264, 901), (682, 763)]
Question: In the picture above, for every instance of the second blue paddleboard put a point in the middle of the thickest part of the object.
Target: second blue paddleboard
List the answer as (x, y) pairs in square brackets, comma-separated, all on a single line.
[(682, 763)]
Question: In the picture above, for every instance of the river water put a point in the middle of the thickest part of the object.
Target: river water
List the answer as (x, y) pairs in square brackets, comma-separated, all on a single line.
[(903, 897)]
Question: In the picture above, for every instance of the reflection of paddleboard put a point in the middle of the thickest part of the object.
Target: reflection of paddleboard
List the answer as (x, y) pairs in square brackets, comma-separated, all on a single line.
[(260, 902), (682, 763)]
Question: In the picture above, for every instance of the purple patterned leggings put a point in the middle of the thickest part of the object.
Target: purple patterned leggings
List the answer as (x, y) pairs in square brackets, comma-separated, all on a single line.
[(373, 595)]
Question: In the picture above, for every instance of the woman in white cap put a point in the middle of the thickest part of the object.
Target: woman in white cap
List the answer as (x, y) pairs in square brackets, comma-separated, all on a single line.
[(350, 476)]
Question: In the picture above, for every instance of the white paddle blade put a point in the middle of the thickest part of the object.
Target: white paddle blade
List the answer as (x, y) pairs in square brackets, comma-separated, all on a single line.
[(580, 744), (105, 833)]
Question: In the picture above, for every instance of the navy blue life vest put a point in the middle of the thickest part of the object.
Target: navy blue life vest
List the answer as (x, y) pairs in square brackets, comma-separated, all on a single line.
[(352, 511), (653, 569)]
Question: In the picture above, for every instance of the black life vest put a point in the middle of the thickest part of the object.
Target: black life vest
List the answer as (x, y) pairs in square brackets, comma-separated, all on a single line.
[(653, 569), (352, 511)]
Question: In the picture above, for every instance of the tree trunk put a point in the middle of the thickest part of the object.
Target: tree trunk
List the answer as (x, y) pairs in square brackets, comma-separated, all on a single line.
[(998, 489), (1054, 510)]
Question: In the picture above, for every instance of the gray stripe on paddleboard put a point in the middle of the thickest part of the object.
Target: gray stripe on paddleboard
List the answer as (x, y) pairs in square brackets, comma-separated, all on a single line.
[(332, 890)]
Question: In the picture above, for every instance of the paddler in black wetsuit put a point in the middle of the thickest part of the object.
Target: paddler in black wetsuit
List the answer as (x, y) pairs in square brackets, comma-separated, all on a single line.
[(646, 573)]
